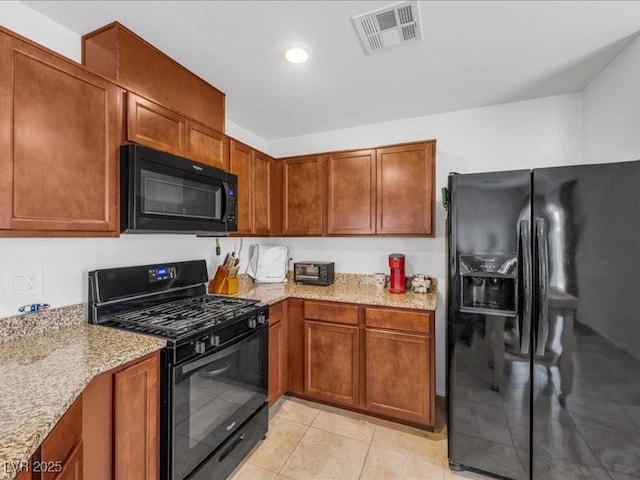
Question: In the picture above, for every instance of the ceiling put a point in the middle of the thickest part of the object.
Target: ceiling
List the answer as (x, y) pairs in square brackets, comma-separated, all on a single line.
[(472, 54)]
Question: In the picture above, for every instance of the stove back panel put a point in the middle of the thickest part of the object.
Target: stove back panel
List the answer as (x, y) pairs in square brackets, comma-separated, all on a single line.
[(121, 283)]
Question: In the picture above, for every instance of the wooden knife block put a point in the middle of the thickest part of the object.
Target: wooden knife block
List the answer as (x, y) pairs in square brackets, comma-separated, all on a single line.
[(223, 284)]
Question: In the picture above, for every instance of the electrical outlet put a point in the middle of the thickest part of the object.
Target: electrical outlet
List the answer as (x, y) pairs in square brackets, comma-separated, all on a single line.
[(24, 282)]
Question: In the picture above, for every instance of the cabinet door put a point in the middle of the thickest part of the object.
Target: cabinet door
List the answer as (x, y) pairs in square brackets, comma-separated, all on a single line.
[(63, 441), (241, 164), (136, 420), (398, 375), (351, 193), (154, 126), (261, 194), (277, 361), (331, 362), (303, 201), (58, 144), (405, 189), (72, 468), (206, 145), (295, 345)]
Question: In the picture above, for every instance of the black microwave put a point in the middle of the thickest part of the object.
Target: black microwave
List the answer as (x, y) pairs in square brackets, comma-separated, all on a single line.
[(163, 193)]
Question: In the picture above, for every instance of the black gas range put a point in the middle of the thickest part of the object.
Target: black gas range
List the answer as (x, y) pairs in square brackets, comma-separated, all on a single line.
[(214, 368)]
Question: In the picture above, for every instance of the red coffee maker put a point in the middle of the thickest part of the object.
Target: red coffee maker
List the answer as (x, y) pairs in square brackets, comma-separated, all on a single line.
[(397, 279)]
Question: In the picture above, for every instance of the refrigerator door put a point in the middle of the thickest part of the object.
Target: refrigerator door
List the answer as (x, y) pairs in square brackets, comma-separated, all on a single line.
[(586, 395), (489, 322)]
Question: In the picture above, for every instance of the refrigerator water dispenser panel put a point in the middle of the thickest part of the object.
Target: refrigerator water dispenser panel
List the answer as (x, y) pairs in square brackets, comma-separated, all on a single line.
[(489, 284)]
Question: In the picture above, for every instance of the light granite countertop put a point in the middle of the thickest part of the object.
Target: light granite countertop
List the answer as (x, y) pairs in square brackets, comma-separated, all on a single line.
[(44, 372), (348, 288)]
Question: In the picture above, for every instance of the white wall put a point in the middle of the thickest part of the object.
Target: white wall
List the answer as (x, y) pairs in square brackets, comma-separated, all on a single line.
[(611, 105), (27, 22)]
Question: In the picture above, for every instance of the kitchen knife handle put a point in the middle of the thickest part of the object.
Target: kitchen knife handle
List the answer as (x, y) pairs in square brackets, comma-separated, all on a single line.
[(525, 246), (543, 287)]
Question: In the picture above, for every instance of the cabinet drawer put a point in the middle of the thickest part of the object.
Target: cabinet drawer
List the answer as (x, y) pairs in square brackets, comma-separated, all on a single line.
[(276, 313), (64, 437), (399, 320), (331, 312)]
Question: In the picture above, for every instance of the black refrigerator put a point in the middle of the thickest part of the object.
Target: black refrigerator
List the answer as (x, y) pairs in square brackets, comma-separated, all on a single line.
[(543, 322)]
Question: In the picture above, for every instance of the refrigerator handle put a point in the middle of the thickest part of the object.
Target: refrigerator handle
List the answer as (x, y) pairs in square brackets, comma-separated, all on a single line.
[(543, 287), (525, 245)]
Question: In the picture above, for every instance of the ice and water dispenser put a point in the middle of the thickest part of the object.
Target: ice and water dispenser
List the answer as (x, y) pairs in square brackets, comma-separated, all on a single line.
[(489, 284)]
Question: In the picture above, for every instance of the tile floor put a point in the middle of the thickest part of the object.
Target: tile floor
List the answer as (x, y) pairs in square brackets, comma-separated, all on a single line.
[(307, 441)]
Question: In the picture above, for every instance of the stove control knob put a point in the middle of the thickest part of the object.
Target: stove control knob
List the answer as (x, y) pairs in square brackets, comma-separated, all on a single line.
[(199, 347), (214, 340), (253, 322), (262, 318)]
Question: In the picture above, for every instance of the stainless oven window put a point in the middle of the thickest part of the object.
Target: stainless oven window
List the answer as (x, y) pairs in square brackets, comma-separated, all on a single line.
[(213, 396), (178, 197)]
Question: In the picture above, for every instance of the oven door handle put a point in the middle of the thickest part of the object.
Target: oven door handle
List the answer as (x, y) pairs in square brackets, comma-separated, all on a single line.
[(223, 353)]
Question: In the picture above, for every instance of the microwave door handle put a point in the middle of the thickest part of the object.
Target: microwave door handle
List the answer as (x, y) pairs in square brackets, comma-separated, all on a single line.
[(225, 185)]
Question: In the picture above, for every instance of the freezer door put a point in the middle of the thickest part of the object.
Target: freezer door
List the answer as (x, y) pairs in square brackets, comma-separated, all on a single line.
[(489, 322), (586, 395)]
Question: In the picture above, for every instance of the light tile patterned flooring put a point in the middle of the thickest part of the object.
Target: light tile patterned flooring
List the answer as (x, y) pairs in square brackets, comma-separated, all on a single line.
[(308, 441)]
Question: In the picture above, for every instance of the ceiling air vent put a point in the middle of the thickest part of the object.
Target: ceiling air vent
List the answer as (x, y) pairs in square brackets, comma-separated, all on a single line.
[(392, 25)]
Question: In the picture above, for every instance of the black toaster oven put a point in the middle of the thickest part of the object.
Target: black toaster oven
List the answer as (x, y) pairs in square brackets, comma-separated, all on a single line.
[(313, 273)]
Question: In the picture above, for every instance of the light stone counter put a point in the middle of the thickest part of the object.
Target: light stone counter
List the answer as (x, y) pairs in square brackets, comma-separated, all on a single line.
[(43, 373), (348, 288)]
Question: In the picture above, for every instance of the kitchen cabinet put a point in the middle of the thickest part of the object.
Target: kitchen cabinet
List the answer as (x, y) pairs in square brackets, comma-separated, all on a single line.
[(136, 420), (405, 184), (277, 351), (241, 164), (158, 127), (259, 187), (400, 364), (377, 360), (303, 196), (155, 126), (115, 52), (59, 136), (351, 193), (72, 469), (61, 451), (24, 474), (295, 346), (331, 352), (206, 145), (120, 422)]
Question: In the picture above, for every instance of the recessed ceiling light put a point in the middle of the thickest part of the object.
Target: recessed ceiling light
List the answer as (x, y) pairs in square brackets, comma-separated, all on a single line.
[(298, 53)]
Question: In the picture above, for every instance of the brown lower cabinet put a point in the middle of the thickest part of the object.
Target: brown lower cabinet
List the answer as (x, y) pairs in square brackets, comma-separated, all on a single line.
[(377, 360), (110, 431), (277, 351)]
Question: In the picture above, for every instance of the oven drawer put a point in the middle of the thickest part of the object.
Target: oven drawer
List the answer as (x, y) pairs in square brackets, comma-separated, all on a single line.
[(229, 455)]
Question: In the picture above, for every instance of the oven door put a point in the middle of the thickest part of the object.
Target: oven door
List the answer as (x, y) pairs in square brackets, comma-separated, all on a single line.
[(165, 193), (213, 395)]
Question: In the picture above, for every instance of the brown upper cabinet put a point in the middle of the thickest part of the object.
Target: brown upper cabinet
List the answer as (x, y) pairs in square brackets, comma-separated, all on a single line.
[(381, 191), (405, 189), (119, 54), (303, 204), (206, 145), (158, 127), (351, 193), (59, 138), (259, 187)]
